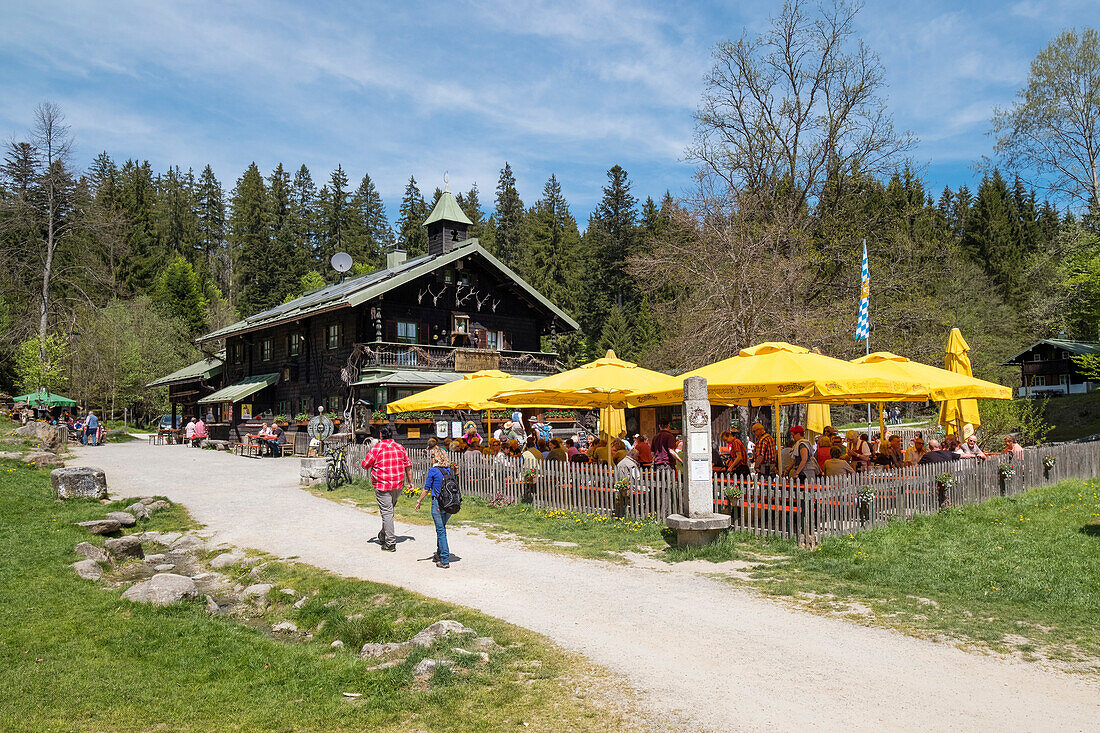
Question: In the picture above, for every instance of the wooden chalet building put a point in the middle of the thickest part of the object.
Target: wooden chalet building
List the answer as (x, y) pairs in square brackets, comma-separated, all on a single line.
[(1047, 369), (371, 339)]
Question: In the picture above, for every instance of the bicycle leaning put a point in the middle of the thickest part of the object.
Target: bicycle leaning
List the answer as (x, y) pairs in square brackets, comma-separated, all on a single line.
[(337, 471)]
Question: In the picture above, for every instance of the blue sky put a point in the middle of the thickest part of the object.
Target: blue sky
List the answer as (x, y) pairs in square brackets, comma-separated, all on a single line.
[(393, 89)]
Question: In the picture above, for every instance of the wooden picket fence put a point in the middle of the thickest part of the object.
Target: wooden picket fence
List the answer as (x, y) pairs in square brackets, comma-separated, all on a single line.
[(768, 506)]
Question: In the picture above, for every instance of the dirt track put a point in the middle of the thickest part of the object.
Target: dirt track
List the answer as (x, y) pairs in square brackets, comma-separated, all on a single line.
[(722, 657)]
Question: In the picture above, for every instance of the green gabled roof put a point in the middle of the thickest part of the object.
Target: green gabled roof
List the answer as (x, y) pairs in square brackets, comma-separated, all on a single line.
[(1078, 348), (358, 290), (447, 209), (204, 369), (240, 390)]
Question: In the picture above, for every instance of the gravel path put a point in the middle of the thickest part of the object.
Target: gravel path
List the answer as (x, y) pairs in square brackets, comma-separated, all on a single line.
[(722, 657)]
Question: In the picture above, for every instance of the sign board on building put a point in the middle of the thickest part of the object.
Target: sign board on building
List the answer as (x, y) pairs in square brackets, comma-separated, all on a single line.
[(246, 410), (441, 429), (473, 360)]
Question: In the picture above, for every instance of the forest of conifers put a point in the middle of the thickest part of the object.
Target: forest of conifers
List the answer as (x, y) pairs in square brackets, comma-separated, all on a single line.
[(108, 273)]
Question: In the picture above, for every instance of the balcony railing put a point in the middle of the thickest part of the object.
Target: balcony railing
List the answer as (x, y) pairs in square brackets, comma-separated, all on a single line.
[(456, 359)]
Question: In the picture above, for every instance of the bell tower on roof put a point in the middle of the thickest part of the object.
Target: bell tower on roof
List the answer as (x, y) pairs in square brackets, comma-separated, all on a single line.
[(448, 226)]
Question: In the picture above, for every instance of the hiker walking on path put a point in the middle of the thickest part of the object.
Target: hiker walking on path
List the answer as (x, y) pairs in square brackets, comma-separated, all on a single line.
[(390, 468), (433, 483)]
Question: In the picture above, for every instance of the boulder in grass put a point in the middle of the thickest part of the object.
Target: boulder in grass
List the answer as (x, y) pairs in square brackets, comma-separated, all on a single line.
[(87, 569), (156, 506), (125, 548), (139, 510), (162, 589), (259, 590), (79, 482), (426, 666), (226, 559), (11, 455), (126, 519), (44, 459), (440, 629), (91, 552), (101, 526)]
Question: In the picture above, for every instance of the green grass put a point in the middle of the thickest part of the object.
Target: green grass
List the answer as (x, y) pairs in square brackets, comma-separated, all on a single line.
[(74, 656), (1026, 566), (574, 533)]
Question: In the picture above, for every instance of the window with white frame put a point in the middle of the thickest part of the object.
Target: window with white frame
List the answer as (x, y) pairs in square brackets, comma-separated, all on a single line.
[(406, 332), (332, 336)]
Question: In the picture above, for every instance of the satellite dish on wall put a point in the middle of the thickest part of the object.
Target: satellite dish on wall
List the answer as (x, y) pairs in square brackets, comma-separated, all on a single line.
[(341, 262)]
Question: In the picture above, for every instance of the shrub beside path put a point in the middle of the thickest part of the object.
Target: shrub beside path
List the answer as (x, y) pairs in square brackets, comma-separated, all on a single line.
[(717, 656)]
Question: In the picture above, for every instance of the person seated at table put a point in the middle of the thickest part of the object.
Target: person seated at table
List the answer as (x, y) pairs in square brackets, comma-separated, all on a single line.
[(200, 430), (892, 455), (495, 447), (937, 454), (189, 429), (915, 452), (619, 452), (804, 463), (970, 449), (264, 431), (571, 448), (543, 447), (557, 451), (822, 450), (629, 468), (733, 451), (836, 465), (532, 456), (645, 451), (1011, 446), (598, 453), (275, 441), (764, 455)]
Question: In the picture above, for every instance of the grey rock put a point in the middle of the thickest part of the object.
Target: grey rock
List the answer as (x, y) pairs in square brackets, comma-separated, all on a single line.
[(285, 626), (301, 601), (11, 455), (485, 642), (126, 519), (79, 482), (226, 559), (157, 505), (151, 537), (101, 526), (139, 510), (91, 552), (250, 561), (167, 538), (164, 567), (337, 644), (212, 605), (427, 666), (258, 590), (44, 459), (87, 569), (147, 500), (187, 542), (382, 650), (440, 629), (162, 589), (287, 591), (30, 430), (158, 557), (124, 548)]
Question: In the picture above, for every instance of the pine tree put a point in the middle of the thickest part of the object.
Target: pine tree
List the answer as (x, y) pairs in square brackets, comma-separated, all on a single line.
[(371, 235), (335, 216), (139, 201), (616, 335), (211, 229), (179, 294), (283, 235), (255, 277), (551, 242), (303, 207), (470, 203), (612, 236), (177, 214), (508, 218), (411, 235), (991, 235)]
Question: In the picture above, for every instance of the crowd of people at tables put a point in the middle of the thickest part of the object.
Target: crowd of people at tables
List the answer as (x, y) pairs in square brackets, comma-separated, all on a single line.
[(829, 454)]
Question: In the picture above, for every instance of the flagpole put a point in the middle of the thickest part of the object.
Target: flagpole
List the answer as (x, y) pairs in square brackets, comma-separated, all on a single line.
[(867, 340)]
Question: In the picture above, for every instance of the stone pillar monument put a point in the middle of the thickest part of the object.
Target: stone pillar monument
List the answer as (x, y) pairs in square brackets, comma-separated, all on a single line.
[(699, 524)]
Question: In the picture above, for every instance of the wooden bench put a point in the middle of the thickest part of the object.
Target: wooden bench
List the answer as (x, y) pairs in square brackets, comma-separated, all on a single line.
[(247, 449)]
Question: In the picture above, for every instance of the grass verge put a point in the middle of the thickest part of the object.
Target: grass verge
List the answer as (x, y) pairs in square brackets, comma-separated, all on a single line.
[(1019, 574), (74, 656)]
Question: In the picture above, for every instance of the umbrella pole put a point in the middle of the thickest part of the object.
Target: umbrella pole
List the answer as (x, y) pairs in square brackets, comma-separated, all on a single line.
[(881, 424), (778, 430)]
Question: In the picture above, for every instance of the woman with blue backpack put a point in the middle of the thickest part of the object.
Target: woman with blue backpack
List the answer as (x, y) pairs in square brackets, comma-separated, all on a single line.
[(441, 483)]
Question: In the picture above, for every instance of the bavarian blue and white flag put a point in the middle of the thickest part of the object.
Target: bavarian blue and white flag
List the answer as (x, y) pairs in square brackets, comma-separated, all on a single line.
[(863, 328)]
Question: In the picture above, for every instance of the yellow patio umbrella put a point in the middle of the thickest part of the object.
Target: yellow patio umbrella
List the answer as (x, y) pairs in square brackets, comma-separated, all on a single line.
[(472, 392), (817, 418), (604, 383), (959, 412), (778, 373)]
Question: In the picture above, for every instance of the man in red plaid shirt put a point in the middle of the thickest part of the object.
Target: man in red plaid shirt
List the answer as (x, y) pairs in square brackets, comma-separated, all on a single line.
[(390, 469)]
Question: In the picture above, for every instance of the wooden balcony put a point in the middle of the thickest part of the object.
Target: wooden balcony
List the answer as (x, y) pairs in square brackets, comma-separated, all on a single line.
[(386, 355)]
